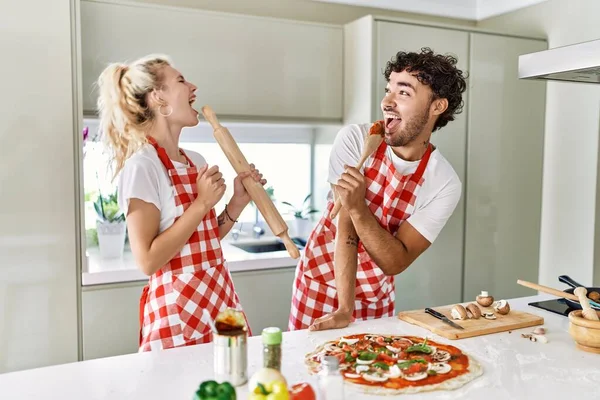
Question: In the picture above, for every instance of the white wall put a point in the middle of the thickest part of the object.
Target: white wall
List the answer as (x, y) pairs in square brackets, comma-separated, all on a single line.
[(38, 274), (571, 143)]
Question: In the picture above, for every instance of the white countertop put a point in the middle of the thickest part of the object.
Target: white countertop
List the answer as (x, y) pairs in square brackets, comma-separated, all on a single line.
[(104, 271), (514, 367)]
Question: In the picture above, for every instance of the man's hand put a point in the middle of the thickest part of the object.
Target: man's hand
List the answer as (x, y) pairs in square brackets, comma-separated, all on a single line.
[(336, 320), (351, 189)]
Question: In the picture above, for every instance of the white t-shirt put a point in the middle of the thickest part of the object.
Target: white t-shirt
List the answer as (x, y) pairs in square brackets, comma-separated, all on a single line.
[(144, 177), (437, 198)]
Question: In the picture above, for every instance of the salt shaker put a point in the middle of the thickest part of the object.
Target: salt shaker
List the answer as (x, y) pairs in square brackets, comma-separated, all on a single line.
[(331, 382)]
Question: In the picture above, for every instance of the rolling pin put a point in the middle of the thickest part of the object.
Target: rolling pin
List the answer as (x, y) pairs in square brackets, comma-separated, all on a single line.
[(255, 189)]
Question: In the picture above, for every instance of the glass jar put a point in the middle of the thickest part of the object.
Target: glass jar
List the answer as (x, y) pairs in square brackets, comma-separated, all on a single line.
[(271, 338)]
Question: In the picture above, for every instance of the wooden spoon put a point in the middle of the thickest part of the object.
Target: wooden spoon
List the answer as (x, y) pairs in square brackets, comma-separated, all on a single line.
[(554, 292), (372, 143), (588, 312)]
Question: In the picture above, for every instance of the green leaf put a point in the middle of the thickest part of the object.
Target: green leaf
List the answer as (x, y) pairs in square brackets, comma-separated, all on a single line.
[(349, 357), (381, 365), (262, 388), (367, 356), (408, 363)]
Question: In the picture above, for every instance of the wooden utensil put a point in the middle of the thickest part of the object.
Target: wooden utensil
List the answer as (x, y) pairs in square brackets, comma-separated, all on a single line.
[(554, 292), (254, 188), (372, 142), (588, 312)]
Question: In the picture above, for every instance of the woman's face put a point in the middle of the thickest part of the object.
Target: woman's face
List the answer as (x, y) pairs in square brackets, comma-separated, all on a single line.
[(178, 94)]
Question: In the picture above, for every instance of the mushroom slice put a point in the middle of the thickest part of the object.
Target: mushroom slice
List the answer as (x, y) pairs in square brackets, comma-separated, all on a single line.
[(416, 377), (331, 347), (362, 368), (351, 376), (440, 367), (364, 362), (404, 339), (394, 372), (441, 356), (473, 311), (347, 341), (393, 349), (374, 377), (458, 312), (489, 315)]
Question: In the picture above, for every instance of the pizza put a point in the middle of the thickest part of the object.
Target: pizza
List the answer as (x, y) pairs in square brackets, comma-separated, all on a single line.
[(392, 364)]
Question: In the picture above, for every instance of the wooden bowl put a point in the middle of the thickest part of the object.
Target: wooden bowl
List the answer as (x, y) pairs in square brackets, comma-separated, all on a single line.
[(585, 332)]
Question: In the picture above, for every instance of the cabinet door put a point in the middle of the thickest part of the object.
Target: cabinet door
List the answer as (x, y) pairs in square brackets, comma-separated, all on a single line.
[(110, 319), (266, 297), (504, 172), (243, 66), (435, 278)]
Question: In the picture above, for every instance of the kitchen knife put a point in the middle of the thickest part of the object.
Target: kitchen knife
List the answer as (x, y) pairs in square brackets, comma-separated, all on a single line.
[(441, 316)]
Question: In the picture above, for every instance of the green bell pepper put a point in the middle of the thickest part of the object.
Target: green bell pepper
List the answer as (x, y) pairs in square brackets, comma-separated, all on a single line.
[(211, 390)]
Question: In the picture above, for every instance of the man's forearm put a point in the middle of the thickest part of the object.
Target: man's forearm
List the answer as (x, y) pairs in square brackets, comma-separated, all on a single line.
[(388, 252), (345, 262)]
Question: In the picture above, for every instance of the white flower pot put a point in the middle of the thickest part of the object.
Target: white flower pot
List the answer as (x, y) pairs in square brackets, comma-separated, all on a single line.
[(301, 227), (111, 238)]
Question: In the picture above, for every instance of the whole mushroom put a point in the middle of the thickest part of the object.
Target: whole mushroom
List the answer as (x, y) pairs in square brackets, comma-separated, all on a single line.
[(484, 299), (502, 307), (458, 312), (473, 311)]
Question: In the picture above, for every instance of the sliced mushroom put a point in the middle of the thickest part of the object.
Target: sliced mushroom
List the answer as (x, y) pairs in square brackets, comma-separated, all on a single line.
[(458, 312), (484, 299), (393, 349), (394, 372), (489, 315), (375, 377), (331, 347), (473, 311), (502, 307), (416, 377), (441, 355), (351, 376), (362, 368), (348, 341), (364, 362), (440, 367)]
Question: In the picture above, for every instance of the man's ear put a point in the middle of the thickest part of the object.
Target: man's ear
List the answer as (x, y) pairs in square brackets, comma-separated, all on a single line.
[(439, 106)]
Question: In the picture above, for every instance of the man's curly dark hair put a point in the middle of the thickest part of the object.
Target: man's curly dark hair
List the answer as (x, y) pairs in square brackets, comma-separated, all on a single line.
[(437, 71)]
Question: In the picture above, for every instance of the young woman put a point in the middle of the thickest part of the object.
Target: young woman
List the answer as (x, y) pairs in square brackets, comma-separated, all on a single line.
[(168, 196)]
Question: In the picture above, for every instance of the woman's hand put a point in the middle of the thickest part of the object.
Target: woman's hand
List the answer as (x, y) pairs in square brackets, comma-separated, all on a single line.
[(240, 195), (211, 186)]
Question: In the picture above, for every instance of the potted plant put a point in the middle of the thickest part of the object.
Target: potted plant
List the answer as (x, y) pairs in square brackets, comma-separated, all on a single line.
[(301, 222), (110, 225)]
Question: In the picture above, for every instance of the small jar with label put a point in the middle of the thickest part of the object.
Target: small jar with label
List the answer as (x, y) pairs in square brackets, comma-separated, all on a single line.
[(271, 338)]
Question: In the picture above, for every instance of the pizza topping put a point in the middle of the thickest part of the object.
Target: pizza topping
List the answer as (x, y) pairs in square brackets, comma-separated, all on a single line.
[(408, 363), (421, 348), (366, 356), (348, 341), (386, 357), (416, 377), (374, 377), (440, 368), (394, 372), (393, 349), (351, 376), (440, 356), (381, 365), (331, 347), (362, 368), (349, 357)]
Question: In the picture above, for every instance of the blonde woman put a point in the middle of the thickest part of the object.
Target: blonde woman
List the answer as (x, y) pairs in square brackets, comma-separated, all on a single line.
[(168, 196)]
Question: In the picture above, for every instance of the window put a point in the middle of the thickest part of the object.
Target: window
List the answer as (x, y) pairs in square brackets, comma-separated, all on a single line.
[(282, 153)]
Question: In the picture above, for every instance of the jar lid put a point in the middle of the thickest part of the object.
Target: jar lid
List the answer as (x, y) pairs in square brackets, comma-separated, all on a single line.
[(271, 335)]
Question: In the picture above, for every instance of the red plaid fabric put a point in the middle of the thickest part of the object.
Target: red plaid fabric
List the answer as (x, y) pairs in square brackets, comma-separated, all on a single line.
[(391, 198), (195, 279)]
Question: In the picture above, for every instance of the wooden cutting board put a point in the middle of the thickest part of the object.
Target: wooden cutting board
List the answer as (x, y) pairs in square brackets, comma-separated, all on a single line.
[(473, 327)]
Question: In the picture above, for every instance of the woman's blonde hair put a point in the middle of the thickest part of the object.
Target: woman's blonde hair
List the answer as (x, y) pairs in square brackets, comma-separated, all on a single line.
[(122, 104)]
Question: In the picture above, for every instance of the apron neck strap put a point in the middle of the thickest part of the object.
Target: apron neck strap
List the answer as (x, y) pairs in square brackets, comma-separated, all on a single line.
[(163, 156)]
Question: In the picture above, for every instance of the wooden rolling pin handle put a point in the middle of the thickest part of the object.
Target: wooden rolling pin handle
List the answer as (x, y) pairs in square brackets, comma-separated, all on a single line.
[(588, 312), (548, 290), (338, 202), (290, 246)]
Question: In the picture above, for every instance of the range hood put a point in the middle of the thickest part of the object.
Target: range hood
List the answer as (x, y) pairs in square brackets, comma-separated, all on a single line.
[(575, 63)]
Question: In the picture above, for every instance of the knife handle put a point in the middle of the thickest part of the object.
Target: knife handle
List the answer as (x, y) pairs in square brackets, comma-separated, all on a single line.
[(434, 313)]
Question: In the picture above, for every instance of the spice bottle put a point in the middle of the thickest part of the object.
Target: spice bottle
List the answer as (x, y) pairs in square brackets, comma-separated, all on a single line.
[(271, 338), (331, 382)]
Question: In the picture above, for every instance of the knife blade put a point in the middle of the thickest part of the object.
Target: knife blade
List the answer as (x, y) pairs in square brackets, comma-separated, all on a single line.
[(442, 317)]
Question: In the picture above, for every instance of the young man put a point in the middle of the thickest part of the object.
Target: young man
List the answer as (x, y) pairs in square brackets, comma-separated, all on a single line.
[(391, 211)]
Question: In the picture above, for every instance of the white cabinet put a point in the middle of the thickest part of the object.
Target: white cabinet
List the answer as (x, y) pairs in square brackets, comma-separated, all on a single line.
[(494, 145), (110, 313), (504, 178), (243, 66)]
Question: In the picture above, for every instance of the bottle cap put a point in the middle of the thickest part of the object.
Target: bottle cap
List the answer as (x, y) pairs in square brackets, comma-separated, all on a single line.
[(271, 335), (331, 363)]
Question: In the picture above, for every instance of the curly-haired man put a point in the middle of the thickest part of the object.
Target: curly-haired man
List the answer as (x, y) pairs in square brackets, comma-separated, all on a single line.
[(393, 209)]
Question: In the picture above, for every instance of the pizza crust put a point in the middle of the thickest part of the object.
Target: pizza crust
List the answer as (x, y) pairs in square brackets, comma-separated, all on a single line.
[(475, 370)]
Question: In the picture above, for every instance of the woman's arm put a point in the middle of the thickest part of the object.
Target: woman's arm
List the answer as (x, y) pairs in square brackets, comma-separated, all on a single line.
[(229, 216)]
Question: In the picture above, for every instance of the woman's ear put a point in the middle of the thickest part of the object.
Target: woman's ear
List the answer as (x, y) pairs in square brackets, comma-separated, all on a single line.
[(155, 99)]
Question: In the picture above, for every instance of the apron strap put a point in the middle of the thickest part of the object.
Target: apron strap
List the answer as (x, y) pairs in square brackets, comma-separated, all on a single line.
[(164, 158)]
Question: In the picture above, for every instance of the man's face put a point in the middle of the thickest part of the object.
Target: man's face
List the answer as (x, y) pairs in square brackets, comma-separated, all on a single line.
[(406, 108)]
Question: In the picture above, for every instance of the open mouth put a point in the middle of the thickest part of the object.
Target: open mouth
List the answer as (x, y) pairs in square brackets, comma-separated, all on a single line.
[(391, 121)]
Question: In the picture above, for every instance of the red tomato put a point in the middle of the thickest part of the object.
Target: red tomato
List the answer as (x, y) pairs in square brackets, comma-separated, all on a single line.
[(302, 391), (416, 367), (385, 357)]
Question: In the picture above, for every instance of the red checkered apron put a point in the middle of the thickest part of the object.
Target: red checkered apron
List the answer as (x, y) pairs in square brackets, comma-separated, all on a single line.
[(391, 198), (195, 279)]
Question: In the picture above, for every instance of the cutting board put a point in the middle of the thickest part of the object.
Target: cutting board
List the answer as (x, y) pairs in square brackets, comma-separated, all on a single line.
[(473, 327)]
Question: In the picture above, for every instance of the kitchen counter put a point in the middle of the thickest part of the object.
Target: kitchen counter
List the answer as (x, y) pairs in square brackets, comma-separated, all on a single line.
[(105, 271), (514, 367)]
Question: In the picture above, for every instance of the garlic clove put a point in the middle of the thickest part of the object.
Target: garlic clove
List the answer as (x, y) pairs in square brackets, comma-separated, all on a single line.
[(539, 330)]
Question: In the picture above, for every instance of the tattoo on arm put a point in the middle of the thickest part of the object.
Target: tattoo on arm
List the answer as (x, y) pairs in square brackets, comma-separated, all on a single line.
[(352, 240), (221, 219)]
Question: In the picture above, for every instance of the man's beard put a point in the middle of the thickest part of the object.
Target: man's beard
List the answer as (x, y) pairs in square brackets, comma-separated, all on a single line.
[(411, 131)]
